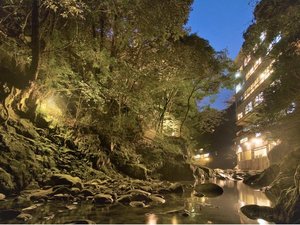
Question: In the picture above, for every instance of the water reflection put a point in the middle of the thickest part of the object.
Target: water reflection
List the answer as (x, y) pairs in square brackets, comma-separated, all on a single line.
[(223, 183), (151, 219), (178, 209), (227, 206), (249, 196), (262, 222), (174, 220)]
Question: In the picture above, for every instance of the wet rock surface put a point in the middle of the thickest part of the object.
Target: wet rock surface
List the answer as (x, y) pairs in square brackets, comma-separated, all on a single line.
[(209, 189), (259, 212), (103, 199), (265, 178), (7, 214), (281, 183)]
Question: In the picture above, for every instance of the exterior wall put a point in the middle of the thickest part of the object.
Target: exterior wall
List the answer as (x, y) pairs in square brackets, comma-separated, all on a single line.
[(254, 164), (253, 74)]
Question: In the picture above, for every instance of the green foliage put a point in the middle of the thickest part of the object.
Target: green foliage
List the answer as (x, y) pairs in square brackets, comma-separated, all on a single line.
[(119, 66)]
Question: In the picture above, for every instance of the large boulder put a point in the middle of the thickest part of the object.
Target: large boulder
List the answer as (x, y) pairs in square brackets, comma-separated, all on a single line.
[(265, 178), (278, 153), (137, 171), (209, 189), (65, 179), (176, 171), (255, 212)]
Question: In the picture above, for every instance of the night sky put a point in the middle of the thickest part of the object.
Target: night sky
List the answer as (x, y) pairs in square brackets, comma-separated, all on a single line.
[(222, 23)]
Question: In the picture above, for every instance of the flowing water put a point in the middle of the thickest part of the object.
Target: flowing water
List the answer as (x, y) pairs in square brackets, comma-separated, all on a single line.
[(221, 209)]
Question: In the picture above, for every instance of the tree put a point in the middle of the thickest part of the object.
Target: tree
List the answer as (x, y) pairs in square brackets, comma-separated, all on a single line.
[(118, 65)]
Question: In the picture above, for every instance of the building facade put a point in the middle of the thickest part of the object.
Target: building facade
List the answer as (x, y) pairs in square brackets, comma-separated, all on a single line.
[(252, 142)]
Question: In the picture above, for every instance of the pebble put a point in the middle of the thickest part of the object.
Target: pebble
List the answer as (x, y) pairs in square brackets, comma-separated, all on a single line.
[(24, 217), (71, 207), (2, 197), (103, 199), (30, 208), (137, 204), (157, 199)]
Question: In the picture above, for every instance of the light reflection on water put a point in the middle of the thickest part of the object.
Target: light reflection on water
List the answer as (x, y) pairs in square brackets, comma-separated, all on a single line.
[(174, 220), (221, 209), (224, 208), (151, 219), (249, 196)]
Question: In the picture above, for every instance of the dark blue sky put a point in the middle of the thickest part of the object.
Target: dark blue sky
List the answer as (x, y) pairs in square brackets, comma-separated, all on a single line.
[(222, 23)]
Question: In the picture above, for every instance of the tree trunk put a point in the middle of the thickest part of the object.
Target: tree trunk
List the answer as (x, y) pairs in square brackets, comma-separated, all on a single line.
[(188, 108), (35, 40)]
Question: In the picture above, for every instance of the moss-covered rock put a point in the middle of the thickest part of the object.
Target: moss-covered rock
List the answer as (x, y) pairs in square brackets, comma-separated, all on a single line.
[(103, 199), (176, 171), (65, 179), (265, 178), (209, 189), (6, 182), (137, 171)]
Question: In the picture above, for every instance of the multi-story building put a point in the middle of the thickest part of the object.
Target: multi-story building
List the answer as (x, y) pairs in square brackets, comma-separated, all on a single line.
[(252, 142)]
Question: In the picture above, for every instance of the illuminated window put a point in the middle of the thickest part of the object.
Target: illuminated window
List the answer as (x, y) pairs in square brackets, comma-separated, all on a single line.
[(260, 152), (239, 156), (277, 38), (239, 149), (247, 60), (255, 48), (238, 88), (291, 108), (262, 36), (253, 68), (243, 140), (259, 99), (247, 155), (238, 74), (240, 116), (274, 42), (249, 107), (259, 80)]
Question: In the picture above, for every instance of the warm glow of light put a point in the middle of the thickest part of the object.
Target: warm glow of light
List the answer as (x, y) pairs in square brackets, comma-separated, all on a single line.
[(242, 203), (206, 155), (238, 74), (243, 140), (261, 221), (49, 106), (197, 156), (239, 149), (202, 199), (257, 141), (152, 219), (248, 145), (174, 220), (257, 134)]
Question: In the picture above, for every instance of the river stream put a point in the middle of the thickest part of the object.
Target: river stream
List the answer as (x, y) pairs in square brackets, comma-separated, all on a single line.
[(221, 209)]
